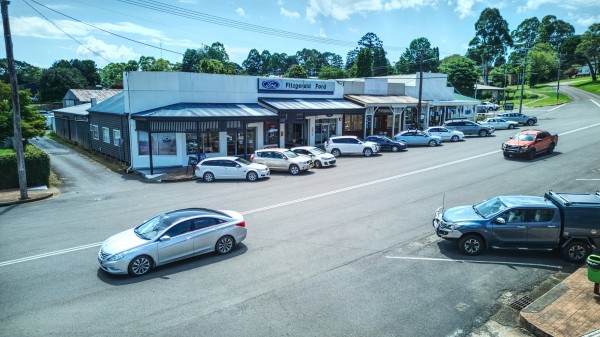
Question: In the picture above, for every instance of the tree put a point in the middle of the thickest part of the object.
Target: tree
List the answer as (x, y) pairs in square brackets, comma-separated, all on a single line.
[(211, 66), (380, 63), (112, 73), (55, 82), (491, 39), (364, 63), (590, 48), (192, 58), (542, 64), (554, 31), (216, 51), (33, 124), (191, 61), (265, 57), (279, 63), (311, 59), (89, 70), (333, 60), (409, 62), (462, 73), (161, 65), (329, 72), (146, 62), (526, 33), (351, 58), (28, 76), (253, 63), (296, 71), (371, 41)]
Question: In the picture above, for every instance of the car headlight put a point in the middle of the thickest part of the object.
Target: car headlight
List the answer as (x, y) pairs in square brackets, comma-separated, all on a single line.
[(448, 225), (116, 257), (524, 147)]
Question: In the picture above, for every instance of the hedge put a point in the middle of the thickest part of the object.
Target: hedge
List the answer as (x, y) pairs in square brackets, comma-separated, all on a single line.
[(37, 167)]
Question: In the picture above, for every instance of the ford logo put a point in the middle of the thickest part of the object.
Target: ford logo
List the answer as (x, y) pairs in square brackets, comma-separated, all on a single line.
[(270, 84)]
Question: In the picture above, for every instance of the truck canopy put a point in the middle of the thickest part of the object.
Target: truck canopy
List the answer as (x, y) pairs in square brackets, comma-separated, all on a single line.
[(580, 212)]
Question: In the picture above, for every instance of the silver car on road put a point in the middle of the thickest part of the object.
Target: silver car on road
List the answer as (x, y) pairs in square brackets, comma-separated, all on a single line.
[(169, 237)]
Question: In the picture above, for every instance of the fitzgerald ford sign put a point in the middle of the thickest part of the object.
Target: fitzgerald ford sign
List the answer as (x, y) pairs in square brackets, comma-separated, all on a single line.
[(299, 86)]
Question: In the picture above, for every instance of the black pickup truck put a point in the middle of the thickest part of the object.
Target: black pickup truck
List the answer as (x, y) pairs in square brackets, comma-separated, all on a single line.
[(566, 221)]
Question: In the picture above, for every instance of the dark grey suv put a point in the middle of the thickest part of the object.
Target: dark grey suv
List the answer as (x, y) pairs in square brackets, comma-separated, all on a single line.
[(469, 127), (518, 117)]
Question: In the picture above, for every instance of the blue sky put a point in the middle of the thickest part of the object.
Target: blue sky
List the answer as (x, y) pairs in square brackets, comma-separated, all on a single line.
[(448, 24)]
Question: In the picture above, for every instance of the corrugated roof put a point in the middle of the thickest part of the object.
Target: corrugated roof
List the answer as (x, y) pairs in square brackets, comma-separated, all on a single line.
[(486, 87), (207, 111), (313, 104), (85, 95), (80, 109), (374, 100), (113, 105)]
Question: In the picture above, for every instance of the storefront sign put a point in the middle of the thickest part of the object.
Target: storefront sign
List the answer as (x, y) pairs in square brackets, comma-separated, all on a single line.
[(297, 86)]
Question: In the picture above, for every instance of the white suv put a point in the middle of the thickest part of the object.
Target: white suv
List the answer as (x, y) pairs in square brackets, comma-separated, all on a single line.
[(350, 145), (282, 160)]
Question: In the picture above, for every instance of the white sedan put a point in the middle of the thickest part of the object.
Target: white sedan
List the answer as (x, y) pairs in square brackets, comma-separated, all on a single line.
[(445, 134), (320, 157), (499, 123), (230, 168)]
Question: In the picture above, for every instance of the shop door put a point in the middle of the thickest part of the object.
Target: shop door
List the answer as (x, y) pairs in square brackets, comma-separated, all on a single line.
[(294, 134), (324, 128), (251, 134)]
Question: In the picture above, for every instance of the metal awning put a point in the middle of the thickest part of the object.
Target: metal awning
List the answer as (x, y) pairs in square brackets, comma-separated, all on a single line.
[(311, 107), (250, 112), (384, 101)]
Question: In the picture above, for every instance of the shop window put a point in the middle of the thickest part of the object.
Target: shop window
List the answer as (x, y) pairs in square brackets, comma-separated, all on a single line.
[(353, 123), (162, 144), (271, 136), (209, 142)]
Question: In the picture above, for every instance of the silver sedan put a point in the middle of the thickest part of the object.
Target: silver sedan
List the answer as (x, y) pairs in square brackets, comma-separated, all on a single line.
[(169, 237)]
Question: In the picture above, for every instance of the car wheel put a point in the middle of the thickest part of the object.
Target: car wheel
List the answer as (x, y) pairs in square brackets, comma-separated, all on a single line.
[(318, 164), (367, 152), (511, 126), (576, 251), (336, 152), (294, 169), (471, 244), (506, 155), (432, 143), (395, 148), (530, 122), (224, 245), (139, 266), (531, 154), (454, 138), (208, 177), (482, 133), (251, 176), (551, 148)]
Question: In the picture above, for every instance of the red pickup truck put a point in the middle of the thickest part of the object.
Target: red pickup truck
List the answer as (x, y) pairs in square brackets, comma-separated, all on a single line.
[(530, 143)]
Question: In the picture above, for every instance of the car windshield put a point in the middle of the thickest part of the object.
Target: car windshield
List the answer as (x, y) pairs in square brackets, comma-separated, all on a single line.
[(316, 150), (151, 228), (290, 154), (524, 136), (242, 161), (490, 207)]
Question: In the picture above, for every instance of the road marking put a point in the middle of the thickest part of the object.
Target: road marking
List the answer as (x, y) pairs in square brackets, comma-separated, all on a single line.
[(291, 202), (560, 106), (474, 261), (594, 102), (587, 179)]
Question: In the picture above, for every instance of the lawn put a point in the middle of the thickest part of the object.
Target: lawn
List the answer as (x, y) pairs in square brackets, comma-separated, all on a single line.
[(6, 151), (546, 96), (589, 86)]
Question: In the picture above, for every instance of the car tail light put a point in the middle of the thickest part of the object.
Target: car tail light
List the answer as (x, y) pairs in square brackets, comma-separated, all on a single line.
[(241, 224), (252, 158), (197, 167)]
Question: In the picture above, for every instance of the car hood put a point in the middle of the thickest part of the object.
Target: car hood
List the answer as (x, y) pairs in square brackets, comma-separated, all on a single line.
[(518, 142), (122, 242), (325, 156), (370, 143), (257, 166), (461, 214)]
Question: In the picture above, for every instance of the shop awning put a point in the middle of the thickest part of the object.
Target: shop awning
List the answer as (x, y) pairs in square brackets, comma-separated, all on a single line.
[(250, 112), (311, 107), (384, 101)]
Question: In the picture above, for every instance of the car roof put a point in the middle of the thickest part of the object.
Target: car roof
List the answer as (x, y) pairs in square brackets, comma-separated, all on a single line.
[(303, 148), (335, 137), (278, 149), (531, 131), (221, 158), (178, 214), (526, 201)]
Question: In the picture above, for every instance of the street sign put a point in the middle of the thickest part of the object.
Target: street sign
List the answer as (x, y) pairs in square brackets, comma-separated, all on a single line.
[(509, 106)]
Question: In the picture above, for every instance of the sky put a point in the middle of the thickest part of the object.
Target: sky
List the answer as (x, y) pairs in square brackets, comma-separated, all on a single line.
[(122, 30)]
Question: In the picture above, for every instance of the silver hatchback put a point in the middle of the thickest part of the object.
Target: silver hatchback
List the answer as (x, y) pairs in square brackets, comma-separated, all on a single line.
[(169, 237)]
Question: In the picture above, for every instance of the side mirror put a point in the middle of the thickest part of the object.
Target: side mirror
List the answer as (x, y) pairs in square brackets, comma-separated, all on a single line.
[(164, 238), (237, 165), (500, 221)]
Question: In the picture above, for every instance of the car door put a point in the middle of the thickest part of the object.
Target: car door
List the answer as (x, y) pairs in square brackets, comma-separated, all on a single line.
[(511, 233), (206, 233), (261, 157), (353, 145), (543, 228), (234, 170), (218, 169), (542, 141), (176, 242), (279, 161)]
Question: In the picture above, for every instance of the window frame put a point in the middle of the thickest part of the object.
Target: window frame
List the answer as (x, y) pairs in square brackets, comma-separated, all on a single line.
[(106, 135), (116, 140), (95, 131)]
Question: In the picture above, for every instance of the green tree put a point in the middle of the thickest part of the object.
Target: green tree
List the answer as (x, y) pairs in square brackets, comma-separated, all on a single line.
[(311, 60), (32, 123), (55, 82), (333, 60), (329, 72), (590, 48), (409, 62), (279, 63), (211, 66), (542, 64), (364, 63), (191, 61), (380, 62), (146, 62), (554, 31), (112, 73), (89, 70), (351, 58), (462, 73), (296, 71), (28, 76), (253, 63), (265, 57), (526, 33), (161, 65), (492, 38)]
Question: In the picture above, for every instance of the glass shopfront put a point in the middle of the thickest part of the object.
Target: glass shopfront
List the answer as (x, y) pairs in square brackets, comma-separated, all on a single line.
[(209, 142), (235, 142), (324, 128)]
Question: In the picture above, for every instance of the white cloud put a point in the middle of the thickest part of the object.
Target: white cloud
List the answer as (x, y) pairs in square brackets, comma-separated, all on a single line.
[(289, 14), (110, 52), (322, 33), (280, 3), (532, 5), (189, 2), (340, 9), (131, 28), (240, 11), (404, 4), (237, 54), (464, 8), (588, 21)]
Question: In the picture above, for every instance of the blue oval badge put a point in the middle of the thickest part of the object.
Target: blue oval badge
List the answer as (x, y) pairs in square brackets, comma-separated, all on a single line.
[(270, 84)]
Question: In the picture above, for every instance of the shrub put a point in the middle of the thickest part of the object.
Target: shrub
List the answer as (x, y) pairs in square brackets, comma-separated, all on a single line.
[(37, 168)]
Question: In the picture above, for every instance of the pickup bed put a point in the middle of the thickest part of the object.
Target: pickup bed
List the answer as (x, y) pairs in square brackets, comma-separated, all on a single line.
[(566, 221), (530, 143)]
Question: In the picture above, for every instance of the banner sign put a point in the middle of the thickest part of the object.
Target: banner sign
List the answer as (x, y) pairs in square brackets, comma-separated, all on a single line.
[(300, 86), (509, 106)]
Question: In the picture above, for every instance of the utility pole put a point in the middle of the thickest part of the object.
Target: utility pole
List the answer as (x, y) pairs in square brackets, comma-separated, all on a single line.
[(558, 77), (523, 81), (18, 138), (420, 87)]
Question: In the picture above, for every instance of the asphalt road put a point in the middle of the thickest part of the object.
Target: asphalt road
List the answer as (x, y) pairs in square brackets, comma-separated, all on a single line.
[(342, 251)]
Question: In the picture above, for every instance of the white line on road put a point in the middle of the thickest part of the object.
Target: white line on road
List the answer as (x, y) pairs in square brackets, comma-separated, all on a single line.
[(558, 107), (291, 202), (587, 179), (474, 261), (594, 102)]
